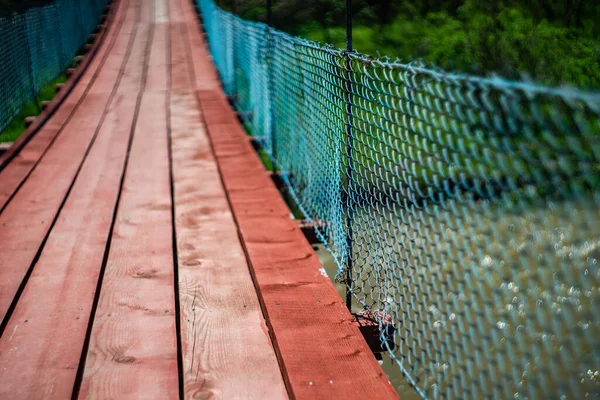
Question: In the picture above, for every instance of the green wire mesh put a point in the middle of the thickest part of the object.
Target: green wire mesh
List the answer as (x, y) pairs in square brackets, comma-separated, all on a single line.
[(463, 209), (37, 44)]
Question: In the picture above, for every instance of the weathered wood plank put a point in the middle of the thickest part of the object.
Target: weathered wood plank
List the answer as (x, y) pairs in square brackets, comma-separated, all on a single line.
[(133, 344), (27, 218), (227, 351), (42, 345), (41, 348), (322, 352)]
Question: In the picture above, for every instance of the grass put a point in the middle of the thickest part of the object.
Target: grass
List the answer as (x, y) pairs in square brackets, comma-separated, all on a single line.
[(16, 127), (264, 157)]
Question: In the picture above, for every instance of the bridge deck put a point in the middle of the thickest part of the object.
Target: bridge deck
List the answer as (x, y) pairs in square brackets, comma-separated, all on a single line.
[(144, 252)]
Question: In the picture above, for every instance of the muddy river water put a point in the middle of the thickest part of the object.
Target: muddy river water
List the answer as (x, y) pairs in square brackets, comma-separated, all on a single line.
[(488, 301)]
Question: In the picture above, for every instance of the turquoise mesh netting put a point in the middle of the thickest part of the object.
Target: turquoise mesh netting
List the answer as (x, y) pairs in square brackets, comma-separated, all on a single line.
[(464, 208), (37, 44)]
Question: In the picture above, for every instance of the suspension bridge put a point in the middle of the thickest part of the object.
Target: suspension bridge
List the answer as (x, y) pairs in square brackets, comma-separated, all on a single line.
[(147, 251)]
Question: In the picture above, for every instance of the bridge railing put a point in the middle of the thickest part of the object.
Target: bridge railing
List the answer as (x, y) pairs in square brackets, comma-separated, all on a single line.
[(38, 40), (465, 210)]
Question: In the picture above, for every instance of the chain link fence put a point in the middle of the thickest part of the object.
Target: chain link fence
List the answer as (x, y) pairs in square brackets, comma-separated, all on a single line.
[(38, 41), (463, 209)]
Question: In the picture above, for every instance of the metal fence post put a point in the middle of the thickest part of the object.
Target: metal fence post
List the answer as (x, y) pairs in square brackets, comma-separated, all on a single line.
[(79, 14), (62, 56), (30, 49), (234, 94), (349, 144), (269, 14), (269, 66)]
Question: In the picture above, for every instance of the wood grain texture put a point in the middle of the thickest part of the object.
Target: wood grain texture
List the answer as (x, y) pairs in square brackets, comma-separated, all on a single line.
[(322, 352), (27, 218), (227, 351), (133, 345), (41, 348), (308, 347)]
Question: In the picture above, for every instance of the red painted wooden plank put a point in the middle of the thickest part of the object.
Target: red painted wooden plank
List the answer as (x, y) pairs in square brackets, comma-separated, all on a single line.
[(27, 218), (42, 345), (41, 348), (310, 324), (133, 345), (21, 165), (227, 351), (322, 352)]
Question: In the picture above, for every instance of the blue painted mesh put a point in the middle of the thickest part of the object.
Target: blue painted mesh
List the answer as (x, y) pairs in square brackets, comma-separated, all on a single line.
[(37, 44), (463, 209)]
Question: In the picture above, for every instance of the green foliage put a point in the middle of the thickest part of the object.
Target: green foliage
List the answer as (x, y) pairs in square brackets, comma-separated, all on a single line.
[(549, 41), (17, 126)]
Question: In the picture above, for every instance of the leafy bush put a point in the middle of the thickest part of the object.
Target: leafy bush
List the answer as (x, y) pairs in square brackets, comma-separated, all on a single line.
[(549, 41)]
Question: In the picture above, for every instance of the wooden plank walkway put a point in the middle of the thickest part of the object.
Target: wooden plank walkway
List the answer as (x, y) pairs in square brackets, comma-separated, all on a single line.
[(144, 251)]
